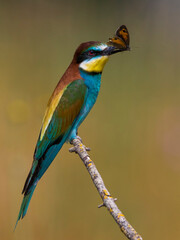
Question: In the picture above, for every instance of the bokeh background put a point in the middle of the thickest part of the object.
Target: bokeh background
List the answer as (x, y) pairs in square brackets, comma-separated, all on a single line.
[(133, 130)]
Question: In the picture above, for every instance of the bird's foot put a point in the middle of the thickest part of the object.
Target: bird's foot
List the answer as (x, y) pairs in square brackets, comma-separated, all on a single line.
[(79, 138), (73, 149)]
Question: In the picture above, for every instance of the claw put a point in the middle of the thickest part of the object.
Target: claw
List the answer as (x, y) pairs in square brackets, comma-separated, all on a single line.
[(73, 149), (79, 138)]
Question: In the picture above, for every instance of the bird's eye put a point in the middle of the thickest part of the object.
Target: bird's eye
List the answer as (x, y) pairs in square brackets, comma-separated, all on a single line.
[(91, 53)]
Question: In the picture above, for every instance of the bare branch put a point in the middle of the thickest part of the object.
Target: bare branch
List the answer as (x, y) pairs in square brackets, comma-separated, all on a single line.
[(108, 201)]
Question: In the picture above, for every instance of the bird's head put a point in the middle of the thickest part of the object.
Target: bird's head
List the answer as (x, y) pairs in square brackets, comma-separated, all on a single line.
[(92, 56)]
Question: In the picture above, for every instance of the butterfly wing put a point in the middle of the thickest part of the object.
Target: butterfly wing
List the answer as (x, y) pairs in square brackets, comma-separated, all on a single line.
[(121, 40), (123, 34)]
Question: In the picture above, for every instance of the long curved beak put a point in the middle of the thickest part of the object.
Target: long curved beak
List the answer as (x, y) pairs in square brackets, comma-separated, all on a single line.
[(112, 50)]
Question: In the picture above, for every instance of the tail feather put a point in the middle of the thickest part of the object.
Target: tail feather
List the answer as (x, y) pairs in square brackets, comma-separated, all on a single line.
[(29, 177), (39, 167), (25, 205)]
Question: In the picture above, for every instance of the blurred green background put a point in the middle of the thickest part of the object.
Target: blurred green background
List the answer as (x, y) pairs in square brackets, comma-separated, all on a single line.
[(133, 130)]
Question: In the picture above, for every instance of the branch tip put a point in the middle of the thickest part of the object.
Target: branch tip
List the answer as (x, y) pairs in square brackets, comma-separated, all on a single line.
[(101, 205), (72, 149)]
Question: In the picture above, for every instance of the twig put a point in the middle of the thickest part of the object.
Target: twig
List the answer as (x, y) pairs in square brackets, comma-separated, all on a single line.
[(108, 201)]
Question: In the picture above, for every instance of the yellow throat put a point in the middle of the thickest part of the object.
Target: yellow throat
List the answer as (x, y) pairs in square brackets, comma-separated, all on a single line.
[(95, 64)]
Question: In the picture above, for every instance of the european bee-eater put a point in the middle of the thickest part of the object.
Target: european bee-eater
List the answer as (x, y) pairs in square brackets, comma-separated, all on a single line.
[(70, 103)]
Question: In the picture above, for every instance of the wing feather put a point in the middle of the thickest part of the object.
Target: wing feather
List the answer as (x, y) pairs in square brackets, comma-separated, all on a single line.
[(57, 123)]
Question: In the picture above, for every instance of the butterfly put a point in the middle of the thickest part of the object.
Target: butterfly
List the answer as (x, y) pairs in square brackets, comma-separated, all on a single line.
[(121, 39)]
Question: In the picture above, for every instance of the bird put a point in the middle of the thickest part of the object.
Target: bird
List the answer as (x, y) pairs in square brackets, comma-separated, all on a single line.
[(70, 103)]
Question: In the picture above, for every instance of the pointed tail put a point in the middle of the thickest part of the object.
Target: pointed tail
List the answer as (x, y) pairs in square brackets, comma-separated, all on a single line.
[(25, 205)]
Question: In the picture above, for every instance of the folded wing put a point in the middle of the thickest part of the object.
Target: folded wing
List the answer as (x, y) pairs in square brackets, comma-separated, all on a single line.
[(62, 111)]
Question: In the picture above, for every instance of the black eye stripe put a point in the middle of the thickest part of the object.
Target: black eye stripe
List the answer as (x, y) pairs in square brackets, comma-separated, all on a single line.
[(95, 52), (87, 55)]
